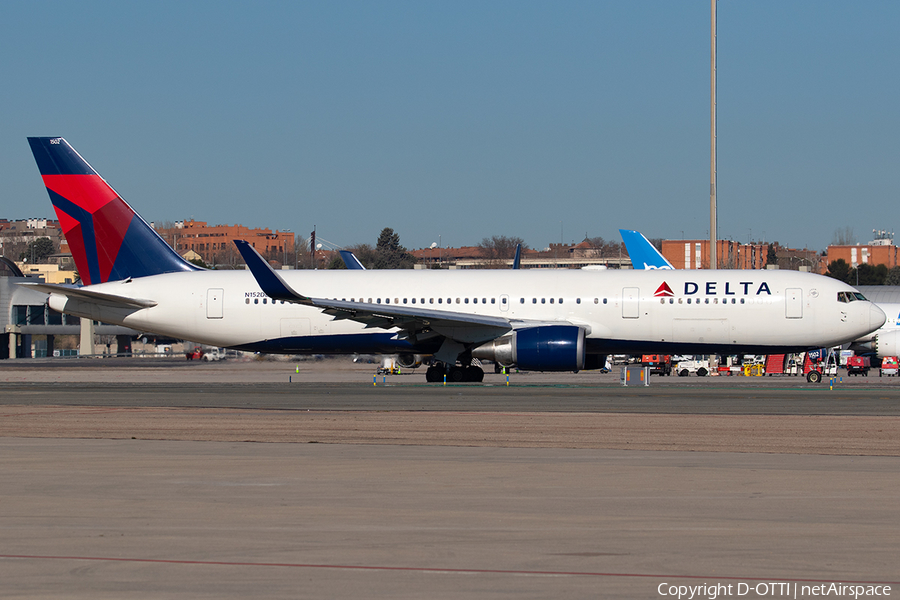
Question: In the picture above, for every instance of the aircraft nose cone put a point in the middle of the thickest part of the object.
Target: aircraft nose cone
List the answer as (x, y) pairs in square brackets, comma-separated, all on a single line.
[(876, 317)]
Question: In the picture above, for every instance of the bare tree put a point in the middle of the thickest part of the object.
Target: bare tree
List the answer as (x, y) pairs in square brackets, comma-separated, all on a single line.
[(844, 237), (607, 249), (497, 249)]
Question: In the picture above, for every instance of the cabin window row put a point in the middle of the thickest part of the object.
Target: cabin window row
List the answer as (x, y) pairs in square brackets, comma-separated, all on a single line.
[(503, 301), (713, 300)]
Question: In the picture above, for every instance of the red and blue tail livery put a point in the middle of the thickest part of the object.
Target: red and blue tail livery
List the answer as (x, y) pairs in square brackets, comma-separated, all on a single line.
[(108, 240)]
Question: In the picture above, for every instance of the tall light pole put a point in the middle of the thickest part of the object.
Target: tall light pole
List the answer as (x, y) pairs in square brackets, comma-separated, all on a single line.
[(712, 167)]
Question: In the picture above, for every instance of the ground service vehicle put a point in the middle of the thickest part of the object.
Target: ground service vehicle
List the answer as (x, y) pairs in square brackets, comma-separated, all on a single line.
[(686, 367), (858, 365), (889, 366), (820, 363), (660, 364)]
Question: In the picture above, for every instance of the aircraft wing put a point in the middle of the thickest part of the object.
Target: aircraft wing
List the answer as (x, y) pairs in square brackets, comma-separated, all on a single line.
[(101, 298), (462, 327)]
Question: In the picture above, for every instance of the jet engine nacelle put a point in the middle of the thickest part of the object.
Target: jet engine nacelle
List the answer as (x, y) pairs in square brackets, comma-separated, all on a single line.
[(410, 361), (542, 348), (887, 344)]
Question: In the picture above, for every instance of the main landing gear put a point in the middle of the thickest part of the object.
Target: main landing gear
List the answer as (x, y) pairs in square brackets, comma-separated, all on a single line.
[(455, 374)]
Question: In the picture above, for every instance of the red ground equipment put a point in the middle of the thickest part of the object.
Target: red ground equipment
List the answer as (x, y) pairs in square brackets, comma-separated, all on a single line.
[(858, 365), (660, 364)]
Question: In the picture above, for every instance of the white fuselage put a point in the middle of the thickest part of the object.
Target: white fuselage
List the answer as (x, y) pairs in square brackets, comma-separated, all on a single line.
[(692, 311)]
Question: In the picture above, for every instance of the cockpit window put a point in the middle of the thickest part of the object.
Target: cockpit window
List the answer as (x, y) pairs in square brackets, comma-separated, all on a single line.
[(850, 297)]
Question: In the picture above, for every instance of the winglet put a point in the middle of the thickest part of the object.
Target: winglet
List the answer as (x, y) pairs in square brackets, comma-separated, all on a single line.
[(644, 255), (268, 279), (350, 261), (518, 256)]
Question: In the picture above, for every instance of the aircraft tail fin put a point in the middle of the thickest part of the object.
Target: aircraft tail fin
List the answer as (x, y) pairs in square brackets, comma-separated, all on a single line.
[(108, 239), (643, 254), (350, 261)]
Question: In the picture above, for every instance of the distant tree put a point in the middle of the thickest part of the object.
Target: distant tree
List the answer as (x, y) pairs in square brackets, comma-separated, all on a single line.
[(772, 255), (389, 254), (499, 248), (840, 270), (869, 275), (199, 262), (893, 276), (37, 250), (13, 250), (611, 248), (336, 262), (844, 237)]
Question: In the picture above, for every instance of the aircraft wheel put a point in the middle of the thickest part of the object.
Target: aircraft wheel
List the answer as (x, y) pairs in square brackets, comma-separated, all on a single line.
[(814, 377), (457, 375), (474, 374), (434, 374)]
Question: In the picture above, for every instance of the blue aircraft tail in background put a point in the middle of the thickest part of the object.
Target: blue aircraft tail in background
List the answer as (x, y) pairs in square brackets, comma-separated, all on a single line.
[(643, 254)]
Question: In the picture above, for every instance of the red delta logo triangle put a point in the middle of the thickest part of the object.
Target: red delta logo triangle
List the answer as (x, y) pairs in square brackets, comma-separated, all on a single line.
[(663, 290)]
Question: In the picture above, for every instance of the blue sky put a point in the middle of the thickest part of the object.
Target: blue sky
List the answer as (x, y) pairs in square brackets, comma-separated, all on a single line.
[(460, 120)]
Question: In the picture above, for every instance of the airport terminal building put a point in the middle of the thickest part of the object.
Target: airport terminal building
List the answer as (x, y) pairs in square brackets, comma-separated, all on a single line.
[(30, 328)]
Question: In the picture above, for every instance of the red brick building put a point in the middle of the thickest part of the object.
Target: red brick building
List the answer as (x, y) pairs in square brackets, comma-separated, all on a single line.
[(694, 254), (868, 254), (215, 244)]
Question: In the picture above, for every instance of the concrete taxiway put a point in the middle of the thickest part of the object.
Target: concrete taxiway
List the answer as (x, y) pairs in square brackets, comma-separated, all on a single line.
[(152, 481)]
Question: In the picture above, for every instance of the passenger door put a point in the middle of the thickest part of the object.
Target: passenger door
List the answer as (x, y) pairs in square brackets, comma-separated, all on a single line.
[(214, 303), (631, 303), (793, 303)]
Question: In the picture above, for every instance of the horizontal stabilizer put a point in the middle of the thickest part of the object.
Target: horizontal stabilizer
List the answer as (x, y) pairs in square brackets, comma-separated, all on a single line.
[(91, 296)]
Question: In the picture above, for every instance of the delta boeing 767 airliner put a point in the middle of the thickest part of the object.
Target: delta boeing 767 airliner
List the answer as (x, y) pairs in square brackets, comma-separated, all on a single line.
[(542, 320)]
